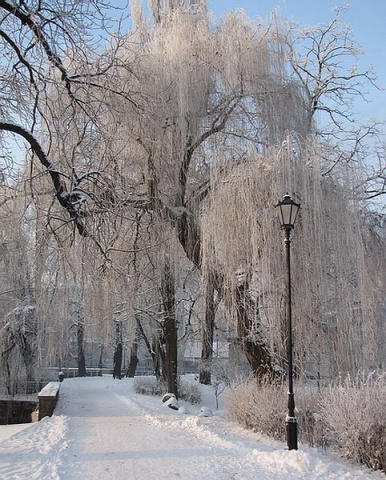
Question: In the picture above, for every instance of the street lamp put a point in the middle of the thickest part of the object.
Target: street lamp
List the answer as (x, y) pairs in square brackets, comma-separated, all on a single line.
[(288, 212)]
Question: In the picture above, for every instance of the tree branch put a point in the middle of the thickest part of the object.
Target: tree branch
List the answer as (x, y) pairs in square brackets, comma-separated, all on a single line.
[(56, 176)]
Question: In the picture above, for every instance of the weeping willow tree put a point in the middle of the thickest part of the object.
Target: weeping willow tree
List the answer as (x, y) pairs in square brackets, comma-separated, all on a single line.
[(19, 322), (200, 87), (337, 293)]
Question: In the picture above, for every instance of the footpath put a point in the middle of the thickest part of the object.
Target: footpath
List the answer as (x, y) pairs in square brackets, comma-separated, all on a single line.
[(102, 430)]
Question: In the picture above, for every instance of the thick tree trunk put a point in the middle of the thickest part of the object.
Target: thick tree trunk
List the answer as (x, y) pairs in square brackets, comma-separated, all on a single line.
[(207, 335), (29, 361), (171, 354), (170, 330), (256, 353)]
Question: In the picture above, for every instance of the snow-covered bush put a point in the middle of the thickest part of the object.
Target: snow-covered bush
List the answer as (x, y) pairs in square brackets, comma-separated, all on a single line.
[(149, 386), (188, 391), (355, 414), (311, 424), (350, 417), (259, 407), (263, 408)]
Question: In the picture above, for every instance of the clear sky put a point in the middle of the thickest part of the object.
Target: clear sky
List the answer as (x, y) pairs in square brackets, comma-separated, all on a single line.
[(366, 17)]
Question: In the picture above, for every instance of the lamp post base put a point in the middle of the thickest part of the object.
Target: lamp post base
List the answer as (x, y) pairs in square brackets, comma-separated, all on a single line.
[(292, 433)]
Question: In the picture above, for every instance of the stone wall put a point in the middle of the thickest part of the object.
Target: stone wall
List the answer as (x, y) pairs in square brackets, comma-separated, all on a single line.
[(48, 398)]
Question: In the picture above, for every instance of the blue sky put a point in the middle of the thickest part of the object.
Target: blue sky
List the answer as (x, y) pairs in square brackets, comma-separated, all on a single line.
[(366, 17)]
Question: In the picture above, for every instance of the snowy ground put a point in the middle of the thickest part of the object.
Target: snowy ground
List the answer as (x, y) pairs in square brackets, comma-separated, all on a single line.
[(103, 430)]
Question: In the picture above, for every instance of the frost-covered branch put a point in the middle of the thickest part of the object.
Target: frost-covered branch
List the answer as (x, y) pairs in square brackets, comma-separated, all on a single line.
[(318, 57), (56, 176)]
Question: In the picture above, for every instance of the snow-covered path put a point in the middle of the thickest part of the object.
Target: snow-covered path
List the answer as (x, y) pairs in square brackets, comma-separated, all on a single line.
[(113, 434), (130, 437), (103, 430)]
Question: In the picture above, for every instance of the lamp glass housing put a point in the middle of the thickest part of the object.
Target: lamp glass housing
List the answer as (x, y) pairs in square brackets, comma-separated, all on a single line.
[(288, 211)]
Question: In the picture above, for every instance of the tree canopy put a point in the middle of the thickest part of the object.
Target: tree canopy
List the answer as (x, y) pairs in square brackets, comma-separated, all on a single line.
[(161, 151)]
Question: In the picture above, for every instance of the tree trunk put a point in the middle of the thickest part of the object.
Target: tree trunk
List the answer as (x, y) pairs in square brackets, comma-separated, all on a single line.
[(171, 354), (161, 349), (28, 357), (256, 353), (100, 365), (153, 348), (81, 357), (170, 330), (117, 361), (207, 335), (133, 358), (156, 357)]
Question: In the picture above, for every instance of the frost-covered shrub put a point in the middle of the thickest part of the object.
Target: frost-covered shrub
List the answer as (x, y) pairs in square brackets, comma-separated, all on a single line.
[(355, 414), (263, 408), (187, 391), (259, 407), (350, 417), (149, 386), (311, 424)]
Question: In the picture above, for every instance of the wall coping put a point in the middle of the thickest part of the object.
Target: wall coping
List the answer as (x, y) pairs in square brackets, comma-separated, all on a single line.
[(50, 390)]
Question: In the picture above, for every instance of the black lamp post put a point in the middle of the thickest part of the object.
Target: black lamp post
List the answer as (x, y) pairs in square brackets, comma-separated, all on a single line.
[(288, 213)]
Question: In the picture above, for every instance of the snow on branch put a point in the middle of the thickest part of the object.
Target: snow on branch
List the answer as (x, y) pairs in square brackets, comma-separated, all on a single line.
[(56, 177), (28, 19)]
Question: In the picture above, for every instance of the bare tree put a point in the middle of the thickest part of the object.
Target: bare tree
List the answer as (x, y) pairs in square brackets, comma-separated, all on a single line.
[(324, 60)]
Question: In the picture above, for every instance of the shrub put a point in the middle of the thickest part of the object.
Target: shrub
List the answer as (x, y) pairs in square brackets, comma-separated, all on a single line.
[(312, 426), (350, 417), (187, 391), (263, 407), (259, 407), (355, 414), (149, 386)]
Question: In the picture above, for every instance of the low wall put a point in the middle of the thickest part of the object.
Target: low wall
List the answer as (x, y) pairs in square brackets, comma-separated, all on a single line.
[(48, 398)]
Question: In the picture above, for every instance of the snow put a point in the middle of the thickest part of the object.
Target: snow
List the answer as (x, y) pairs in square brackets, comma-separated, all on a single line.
[(102, 429), (50, 390)]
